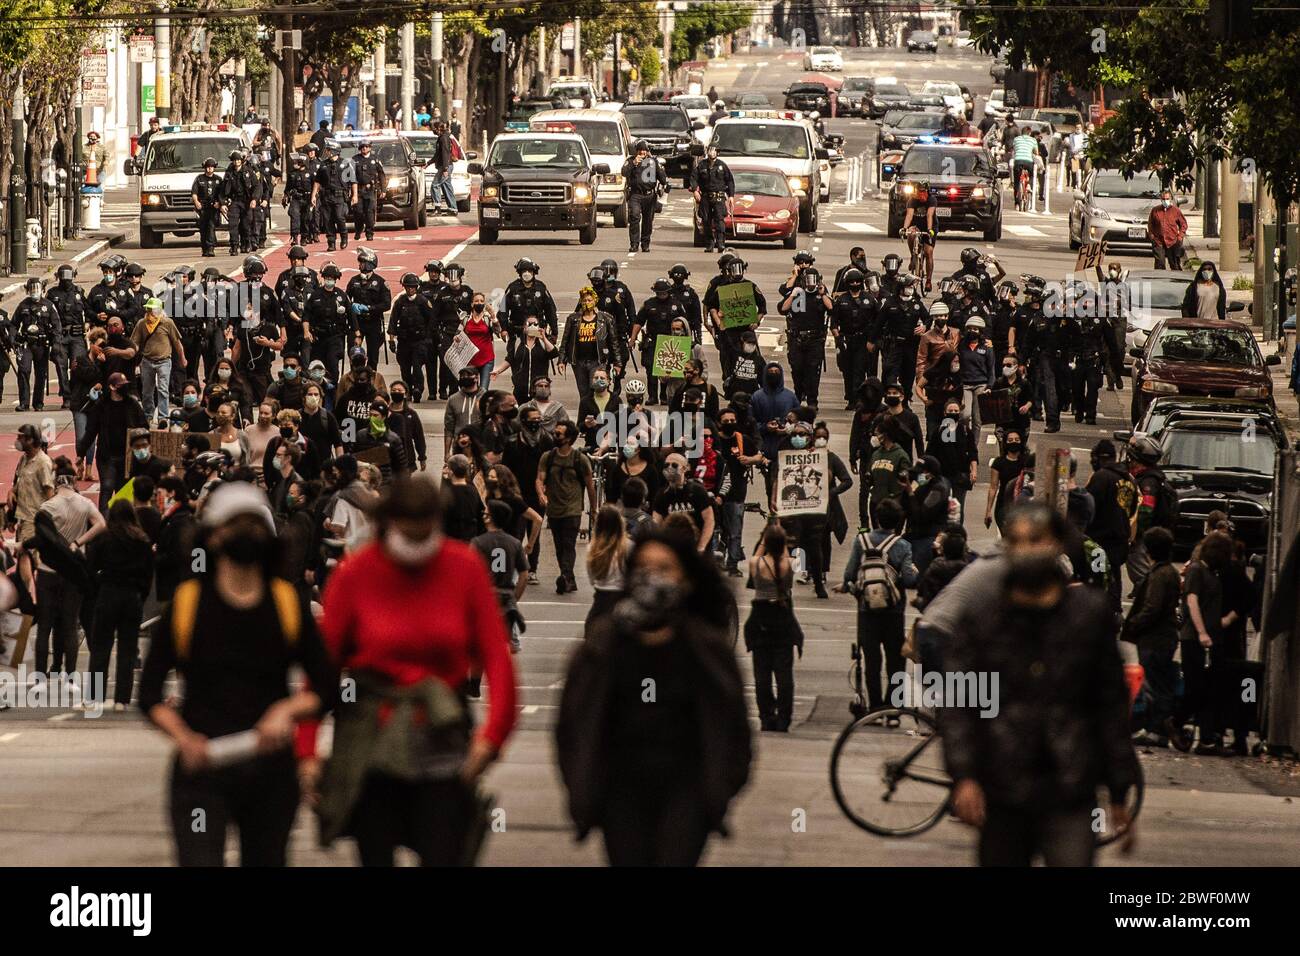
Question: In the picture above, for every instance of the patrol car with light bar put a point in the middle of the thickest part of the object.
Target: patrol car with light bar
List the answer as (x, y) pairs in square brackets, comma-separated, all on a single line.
[(963, 178)]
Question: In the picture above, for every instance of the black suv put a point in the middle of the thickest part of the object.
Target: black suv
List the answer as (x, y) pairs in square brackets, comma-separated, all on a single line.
[(668, 131), (807, 97), (962, 177), (537, 181)]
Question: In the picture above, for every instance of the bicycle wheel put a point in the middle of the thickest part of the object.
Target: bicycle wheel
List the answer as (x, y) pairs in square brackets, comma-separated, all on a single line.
[(1106, 834), (891, 781)]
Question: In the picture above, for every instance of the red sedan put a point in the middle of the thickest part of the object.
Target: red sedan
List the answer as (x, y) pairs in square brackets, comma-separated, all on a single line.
[(764, 209)]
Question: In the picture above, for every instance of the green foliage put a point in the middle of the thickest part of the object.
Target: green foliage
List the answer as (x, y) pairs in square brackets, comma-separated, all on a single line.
[(699, 23), (650, 66)]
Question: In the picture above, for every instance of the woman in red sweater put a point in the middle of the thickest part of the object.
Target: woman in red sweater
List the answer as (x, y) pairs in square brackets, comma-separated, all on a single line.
[(481, 326), (409, 617)]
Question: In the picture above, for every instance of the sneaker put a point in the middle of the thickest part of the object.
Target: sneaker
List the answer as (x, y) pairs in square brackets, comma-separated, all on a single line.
[(1211, 749), (532, 578), (1178, 736), (1145, 738), (734, 572)]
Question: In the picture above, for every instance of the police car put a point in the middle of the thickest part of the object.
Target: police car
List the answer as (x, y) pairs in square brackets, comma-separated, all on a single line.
[(167, 167), (962, 178), (404, 187), (785, 140)]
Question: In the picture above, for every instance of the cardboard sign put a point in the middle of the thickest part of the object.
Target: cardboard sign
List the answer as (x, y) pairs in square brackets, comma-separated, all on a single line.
[(737, 304), (671, 354), (1052, 471), (802, 482), (460, 353), (1091, 255)]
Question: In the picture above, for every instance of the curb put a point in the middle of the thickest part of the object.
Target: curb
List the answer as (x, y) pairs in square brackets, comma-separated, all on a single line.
[(100, 239)]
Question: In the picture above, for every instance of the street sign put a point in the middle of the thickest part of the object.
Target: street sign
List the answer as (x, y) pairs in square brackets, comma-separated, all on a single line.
[(288, 39), (147, 104), (94, 76), (297, 97), (142, 48), (566, 37)]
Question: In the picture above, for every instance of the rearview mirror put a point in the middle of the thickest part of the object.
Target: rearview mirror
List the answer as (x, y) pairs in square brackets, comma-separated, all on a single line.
[(471, 155), (1236, 306), (601, 169), (1137, 353), (1080, 196), (697, 124), (131, 167), (475, 169), (697, 149), (822, 153), (1121, 436)]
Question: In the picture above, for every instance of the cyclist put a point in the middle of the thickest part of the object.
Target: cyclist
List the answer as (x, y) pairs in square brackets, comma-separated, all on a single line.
[(920, 242), (1023, 150)]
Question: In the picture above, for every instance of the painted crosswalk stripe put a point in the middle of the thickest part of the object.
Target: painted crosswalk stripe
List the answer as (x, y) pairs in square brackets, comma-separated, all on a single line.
[(1025, 232), (860, 227)]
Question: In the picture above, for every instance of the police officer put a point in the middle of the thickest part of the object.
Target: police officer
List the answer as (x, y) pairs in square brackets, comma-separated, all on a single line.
[(109, 297), (410, 329), (654, 319), (610, 300), (71, 304), (266, 147), (205, 194), (370, 300), (643, 180), (1042, 348), (139, 292), (903, 319), (806, 308), (294, 292), (441, 331), (460, 292), (260, 336), (969, 304), (614, 282), (241, 189), (890, 269), (728, 340), (853, 319), (193, 321), (528, 296), (6, 348), (714, 187), (370, 190), (38, 328), (975, 264), (297, 257), (334, 190), (326, 322), (1002, 326), (312, 226), (802, 260), (297, 198), (1092, 349), (217, 311), (858, 261), (688, 299)]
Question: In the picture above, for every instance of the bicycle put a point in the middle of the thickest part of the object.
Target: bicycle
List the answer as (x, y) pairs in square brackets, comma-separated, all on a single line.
[(1024, 201), (891, 781), (921, 265)]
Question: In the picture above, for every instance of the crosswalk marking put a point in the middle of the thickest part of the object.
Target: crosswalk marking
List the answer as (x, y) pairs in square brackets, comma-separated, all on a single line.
[(864, 228), (1024, 232)]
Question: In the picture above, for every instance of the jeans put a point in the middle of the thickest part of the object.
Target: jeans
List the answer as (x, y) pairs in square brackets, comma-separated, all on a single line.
[(733, 523), (57, 612), (922, 551), (485, 376), (1160, 674), (155, 382), (564, 532), (259, 796), (442, 190), (774, 664), (117, 617), (1014, 836), (112, 475), (971, 405), (79, 420), (879, 630), (1168, 257)]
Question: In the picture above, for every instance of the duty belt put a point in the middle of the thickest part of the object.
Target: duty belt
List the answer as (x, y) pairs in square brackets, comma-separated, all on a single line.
[(808, 335), (718, 196)]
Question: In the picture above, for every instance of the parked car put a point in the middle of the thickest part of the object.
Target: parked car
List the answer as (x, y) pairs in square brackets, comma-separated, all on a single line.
[(922, 41), (403, 199), (1249, 415), (521, 112), (996, 104), (888, 95), (824, 58), (765, 208), (1111, 209), (1200, 357), (807, 97)]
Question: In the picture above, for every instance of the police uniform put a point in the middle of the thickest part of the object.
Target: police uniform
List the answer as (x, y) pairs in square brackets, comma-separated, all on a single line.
[(206, 191), (899, 314), (294, 297), (521, 301), (806, 325), (852, 322), (6, 347), (371, 298), (370, 189), (654, 319), (335, 180), (327, 318), (642, 180), (37, 328), (1091, 346), (71, 304), (716, 185), (240, 188), (1041, 350), (689, 300), (411, 323), (311, 226), (255, 360), (297, 200), (446, 305), (269, 166), (192, 324), (108, 301)]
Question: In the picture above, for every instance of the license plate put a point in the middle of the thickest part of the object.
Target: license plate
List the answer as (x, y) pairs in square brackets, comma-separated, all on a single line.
[(744, 228), (491, 213), (1137, 232), (942, 212)]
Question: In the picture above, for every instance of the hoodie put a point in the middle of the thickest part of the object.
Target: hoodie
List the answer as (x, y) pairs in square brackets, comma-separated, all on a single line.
[(772, 403), (1190, 298)]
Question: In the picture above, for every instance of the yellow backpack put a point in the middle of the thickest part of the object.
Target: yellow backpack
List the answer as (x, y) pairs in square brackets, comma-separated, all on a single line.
[(185, 611)]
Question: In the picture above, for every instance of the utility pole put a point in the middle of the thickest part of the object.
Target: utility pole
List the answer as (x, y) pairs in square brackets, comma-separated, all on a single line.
[(540, 78), (76, 171), (1229, 246), (435, 56), (241, 84), (18, 186), (408, 75), (162, 64), (577, 47), (380, 93), (618, 39)]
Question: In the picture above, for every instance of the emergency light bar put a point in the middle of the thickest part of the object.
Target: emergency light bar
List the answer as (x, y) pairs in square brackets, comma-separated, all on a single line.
[(950, 140), (558, 126), (766, 114)]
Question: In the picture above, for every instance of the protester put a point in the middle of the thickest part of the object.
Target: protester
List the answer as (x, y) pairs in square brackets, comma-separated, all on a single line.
[(605, 561), (121, 561), (772, 632)]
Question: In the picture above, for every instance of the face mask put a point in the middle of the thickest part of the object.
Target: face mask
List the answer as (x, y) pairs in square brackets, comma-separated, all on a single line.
[(469, 386), (526, 276), (542, 393), (600, 384), (922, 480), (1033, 571), (291, 500), (674, 474), (223, 374), (773, 381), (819, 443), (875, 441), (652, 601), (1009, 371), (1013, 447), (246, 548), (479, 307), (317, 374), (893, 401), (1206, 274), (532, 424), (286, 433), (328, 283), (94, 394), (728, 428), (411, 553), (190, 400), (629, 451), (510, 414), (1166, 203), (855, 287), (277, 463), (312, 402), (18, 445), (290, 374), (799, 441), (141, 454), (749, 348), (377, 424)]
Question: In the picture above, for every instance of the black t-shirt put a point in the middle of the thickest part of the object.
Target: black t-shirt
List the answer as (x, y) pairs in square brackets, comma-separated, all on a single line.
[(585, 347), (733, 482), (1008, 471), (464, 519), (690, 497)]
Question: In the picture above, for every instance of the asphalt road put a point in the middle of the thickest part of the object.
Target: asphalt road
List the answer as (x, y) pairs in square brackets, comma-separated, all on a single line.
[(80, 791)]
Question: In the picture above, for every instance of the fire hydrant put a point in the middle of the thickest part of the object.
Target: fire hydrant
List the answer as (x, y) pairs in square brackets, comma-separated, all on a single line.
[(34, 238)]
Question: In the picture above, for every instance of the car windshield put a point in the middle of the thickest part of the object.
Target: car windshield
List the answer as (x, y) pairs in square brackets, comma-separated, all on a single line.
[(920, 121), (515, 153), (1219, 346), (808, 88), (922, 35), (824, 50), (603, 138), (938, 162), (1218, 450), (673, 119), (891, 89), (894, 117), (856, 84), (187, 155), (390, 154), (568, 92), (1158, 293), (1053, 116), (692, 102), (754, 99), (943, 89), (762, 183), (928, 99), (1115, 186), (523, 111), (761, 139)]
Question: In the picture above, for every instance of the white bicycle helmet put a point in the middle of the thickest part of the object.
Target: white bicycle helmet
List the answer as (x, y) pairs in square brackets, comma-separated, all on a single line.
[(634, 386), (939, 308)]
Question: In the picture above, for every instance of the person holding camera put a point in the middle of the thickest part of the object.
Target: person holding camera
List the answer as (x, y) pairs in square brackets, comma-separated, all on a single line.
[(806, 307)]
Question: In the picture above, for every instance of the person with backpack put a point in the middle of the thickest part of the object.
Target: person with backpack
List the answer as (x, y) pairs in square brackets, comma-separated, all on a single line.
[(234, 635), (564, 475), (772, 632), (1157, 502), (925, 502), (1152, 625), (879, 572), (1115, 495)]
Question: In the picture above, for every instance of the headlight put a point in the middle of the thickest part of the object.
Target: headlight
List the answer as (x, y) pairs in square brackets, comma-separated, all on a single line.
[(781, 214), (1253, 391), (396, 182), (908, 189), (798, 182), (581, 194), (489, 192), (1164, 388), (152, 199), (1096, 212), (977, 192), (614, 178)]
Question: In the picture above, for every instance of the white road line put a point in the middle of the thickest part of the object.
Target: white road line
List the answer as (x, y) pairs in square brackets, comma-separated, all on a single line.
[(865, 228), (1025, 232), (5, 738), (531, 709), (68, 716), (459, 248)]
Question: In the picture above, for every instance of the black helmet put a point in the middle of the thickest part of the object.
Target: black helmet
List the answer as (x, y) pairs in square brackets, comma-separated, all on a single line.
[(212, 274), (892, 263), (1145, 450), (804, 258), (640, 146), (678, 271), (737, 266), (597, 275), (297, 252), (66, 271), (662, 285), (410, 281), (433, 266), (970, 284), (854, 275), (1035, 287), (527, 265), (611, 268), (969, 255), (135, 269), (367, 256), (312, 148), (210, 161), (363, 144), (301, 273), (725, 260), (35, 282), (236, 154), (331, 271), (1007, 289), (332, 144), (254, 267), (184, 270), (811, 277)]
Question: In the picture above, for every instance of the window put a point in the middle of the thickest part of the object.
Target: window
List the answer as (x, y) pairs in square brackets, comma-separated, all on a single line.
[(603, 138), (923, 121), (390, 154), (673, 120), (1115, 186), (692, 102), (1214, 450), (761, 139), (764, 184), (937, 162), (1216, 346), (517, 153), (187, 155), (856, 84), (891, 89)]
